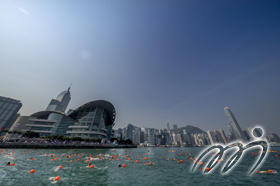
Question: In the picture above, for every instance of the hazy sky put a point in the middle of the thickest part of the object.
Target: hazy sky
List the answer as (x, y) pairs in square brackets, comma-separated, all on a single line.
[(156, 61)]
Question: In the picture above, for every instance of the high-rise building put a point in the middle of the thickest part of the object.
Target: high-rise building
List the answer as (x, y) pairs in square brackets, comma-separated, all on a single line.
[(151, 137), (186, 137), (175, 128), (211, 136), (236, 130), (168, 127), (141, 133), (61, 102), (8, 112), (129, 130), (220, 134)]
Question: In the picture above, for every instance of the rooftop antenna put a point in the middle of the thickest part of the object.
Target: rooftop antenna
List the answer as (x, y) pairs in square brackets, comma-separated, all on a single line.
[(70, 86)]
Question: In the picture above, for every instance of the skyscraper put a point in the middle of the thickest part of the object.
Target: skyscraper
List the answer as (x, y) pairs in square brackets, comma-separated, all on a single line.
[(168, 127), (221, 136), (234, 126), (211, 137), (61, 102), (8, 112), (175, 128), (186, 137)]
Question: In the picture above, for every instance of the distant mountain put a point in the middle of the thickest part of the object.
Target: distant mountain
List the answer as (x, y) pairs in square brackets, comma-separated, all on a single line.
[(191, 129)]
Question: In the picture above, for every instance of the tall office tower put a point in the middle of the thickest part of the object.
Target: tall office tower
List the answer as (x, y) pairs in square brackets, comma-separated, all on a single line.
[(175, 128), (8, 112), (274, 136), (222, 133), (236, 130), (246, 135), (129, 130), (192, 139), (211, 136), (221, 136), (186, 137), (151, 137), (61, 102), (168, 127), (141, 137), (179, 138), (144, 129)]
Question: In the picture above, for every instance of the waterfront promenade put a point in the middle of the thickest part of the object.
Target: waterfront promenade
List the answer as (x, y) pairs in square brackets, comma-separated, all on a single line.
[(16, 145)]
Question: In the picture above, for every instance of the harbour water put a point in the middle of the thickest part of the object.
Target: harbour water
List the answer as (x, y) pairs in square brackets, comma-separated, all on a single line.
[(163, 171)]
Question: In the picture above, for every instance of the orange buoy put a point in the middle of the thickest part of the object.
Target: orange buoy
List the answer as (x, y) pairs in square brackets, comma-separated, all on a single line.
[(78, 159), (276, 155), (123, 165), (181, 161), (91, 166), (110, 159), (71, 161), (12, 164), (32, 171), (165, 156), (151, 163), (128, 159), (117, 159), (137, 161), (56, 158), (60, 166), (57, 178), (207, 169), (52, 159), (15, 157)]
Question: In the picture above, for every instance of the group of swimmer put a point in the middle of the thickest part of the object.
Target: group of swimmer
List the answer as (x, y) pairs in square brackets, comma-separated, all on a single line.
[(101, 157)]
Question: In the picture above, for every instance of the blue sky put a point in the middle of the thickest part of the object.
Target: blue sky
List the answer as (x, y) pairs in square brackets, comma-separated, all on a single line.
[(156, 61)]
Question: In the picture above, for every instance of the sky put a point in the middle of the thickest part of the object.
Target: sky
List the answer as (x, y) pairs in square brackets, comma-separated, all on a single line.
[(179, 62)]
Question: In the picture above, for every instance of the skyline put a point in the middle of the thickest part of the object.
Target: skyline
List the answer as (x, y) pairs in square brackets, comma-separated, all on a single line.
[(157, 62)]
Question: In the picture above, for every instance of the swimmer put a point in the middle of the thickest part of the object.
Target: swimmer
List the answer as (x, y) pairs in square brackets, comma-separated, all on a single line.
[(267, 172), (119, 165), (53, 180), (89, 164), (8, 163)]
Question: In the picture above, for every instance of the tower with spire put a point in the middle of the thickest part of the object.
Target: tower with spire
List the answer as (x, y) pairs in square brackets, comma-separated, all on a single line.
[(61, 102)]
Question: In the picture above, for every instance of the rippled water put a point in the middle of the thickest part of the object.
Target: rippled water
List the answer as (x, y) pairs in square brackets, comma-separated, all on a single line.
[(162, 172)]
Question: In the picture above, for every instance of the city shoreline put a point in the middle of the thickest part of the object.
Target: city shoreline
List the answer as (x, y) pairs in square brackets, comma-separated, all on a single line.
[(60, 146)]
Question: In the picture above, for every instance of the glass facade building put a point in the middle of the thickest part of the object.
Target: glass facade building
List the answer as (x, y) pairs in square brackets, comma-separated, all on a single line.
[(8, 112), (93, 120), (234, 126)]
